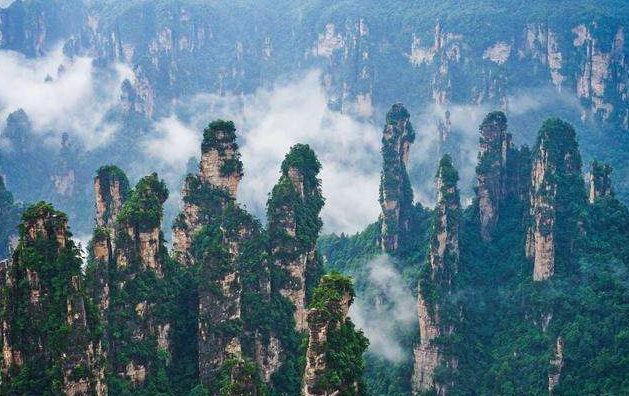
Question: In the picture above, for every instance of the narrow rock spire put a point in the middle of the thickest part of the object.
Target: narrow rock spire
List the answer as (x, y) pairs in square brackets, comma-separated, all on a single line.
[(333, 342), (294, 224), (555, 179), (491, 172), (220, 167), (556, 366), (436, 281), (111, 188), (220, 159), (44, 295), (396, 194), (137, 294)]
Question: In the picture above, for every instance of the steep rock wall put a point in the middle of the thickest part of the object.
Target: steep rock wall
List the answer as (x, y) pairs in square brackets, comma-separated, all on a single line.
[(436, 283), (396, 195), (556, 175), (44, 295)]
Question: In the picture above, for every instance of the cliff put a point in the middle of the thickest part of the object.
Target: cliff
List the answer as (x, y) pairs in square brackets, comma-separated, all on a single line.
[(139, 322), (436, 283), (556, 365), (47, 333), (111, 189), (334, 355), (557, 190), (396, 194), (491, 172), (294, 224), (225, 250), (221, 168)]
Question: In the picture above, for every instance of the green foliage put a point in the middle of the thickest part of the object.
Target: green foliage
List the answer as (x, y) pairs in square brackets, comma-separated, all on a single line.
[(240, 377), (345, 345), (45, 264), (303, 159), (332, 288), (144, 209), (496, 119)]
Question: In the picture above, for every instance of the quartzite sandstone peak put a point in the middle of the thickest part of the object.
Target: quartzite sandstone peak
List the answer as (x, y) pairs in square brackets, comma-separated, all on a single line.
[(396, 194), (491, 172), (555, 178), (438, 275), (45, 297), (331, 339), (294, 225)]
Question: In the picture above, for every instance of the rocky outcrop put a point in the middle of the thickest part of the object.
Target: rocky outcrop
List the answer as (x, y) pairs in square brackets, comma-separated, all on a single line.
[(601, 66), (294, 224), (135, 307), (44, 295), (220, 160), (233, 286), (436, 282), (111, 189), (556, 365), (220, 314), (239, 377), (327, 321), (225, 249), (220, 167), (396, 194), (600, 181), (555, 179), (491, 172)]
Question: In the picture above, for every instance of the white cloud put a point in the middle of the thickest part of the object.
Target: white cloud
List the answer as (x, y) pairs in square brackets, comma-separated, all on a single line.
[(388, 307), (269, 122), (5, 3), (173, 143), (61, 94)]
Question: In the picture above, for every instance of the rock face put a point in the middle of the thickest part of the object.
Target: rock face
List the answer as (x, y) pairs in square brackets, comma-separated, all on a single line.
[(600, 181), (556, 365), (140, 331), (555, 176), (491, 172), (225, 248), (436, 282), (330, 334), (220, 159), (240, 378), (208, 197), (294, 225), (221, 168), (44, 295), (111, 189), (396, 194)]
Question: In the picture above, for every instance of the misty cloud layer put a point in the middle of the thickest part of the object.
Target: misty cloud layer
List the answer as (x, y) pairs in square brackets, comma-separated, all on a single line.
[(269, 122), (71, 95), (61, 94), (389, 307)]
